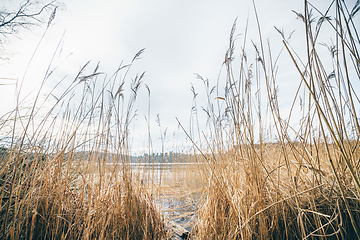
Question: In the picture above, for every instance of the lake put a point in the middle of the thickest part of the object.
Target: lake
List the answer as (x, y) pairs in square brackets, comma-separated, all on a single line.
[(176, 187)]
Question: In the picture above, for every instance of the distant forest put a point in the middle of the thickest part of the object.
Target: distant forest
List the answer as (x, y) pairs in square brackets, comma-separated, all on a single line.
[(168, 157)]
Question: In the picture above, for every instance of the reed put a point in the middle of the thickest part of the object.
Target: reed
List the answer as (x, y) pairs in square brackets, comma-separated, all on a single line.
[(54, 179), (304, 184)]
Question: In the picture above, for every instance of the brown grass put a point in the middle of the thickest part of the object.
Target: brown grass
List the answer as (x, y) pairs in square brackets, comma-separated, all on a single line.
[(54, 179), (306, 183)]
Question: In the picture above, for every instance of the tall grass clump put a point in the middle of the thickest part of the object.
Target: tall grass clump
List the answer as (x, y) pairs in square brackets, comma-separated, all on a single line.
[(277, 174), (55, 179)]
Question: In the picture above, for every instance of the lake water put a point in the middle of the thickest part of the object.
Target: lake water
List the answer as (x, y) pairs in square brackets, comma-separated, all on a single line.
[(176, 188)]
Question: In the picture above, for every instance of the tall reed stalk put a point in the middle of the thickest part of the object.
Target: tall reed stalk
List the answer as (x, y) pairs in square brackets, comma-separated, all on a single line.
[(306, 183), (55, 180)]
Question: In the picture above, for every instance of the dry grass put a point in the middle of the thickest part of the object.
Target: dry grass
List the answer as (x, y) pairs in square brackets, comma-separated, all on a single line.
[(306, 184), (55, 183)]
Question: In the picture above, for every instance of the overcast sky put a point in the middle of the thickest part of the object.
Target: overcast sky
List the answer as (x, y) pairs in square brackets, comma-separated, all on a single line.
[(180, 38)]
